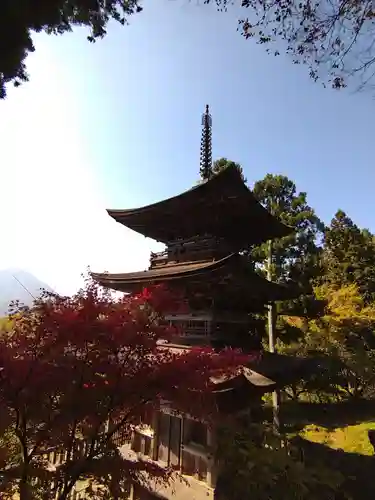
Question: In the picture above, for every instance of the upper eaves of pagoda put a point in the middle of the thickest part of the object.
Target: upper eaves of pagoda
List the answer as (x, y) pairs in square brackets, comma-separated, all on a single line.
[(221, 207)]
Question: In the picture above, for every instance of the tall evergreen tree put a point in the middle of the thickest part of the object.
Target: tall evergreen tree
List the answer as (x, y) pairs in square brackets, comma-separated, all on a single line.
[(223, 163), (349, 255), (218, 166), (296, 256)]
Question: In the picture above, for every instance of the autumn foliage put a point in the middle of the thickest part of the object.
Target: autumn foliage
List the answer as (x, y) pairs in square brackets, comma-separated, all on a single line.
[(76, 371)]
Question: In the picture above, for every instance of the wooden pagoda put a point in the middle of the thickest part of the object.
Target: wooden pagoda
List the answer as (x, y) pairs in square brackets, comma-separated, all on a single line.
[(207, 232)]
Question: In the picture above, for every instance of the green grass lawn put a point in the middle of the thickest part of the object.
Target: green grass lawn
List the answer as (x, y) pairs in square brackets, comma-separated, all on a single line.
[(352, 438)]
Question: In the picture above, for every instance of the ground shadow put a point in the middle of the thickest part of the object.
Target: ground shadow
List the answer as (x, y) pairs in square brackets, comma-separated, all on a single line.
[(297, 415), (357, 470)]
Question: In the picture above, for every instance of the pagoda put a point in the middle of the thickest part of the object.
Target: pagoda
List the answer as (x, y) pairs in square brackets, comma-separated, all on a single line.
[(207, 232)]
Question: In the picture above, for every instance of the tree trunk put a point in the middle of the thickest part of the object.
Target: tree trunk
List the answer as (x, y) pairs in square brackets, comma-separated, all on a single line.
[(24, 489)]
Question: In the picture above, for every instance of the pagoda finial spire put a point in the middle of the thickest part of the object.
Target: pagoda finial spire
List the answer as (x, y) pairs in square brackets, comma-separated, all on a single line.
[(206, 146)]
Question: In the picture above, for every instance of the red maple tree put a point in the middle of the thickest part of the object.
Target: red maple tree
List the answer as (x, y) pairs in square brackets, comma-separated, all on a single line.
[(77, 371)]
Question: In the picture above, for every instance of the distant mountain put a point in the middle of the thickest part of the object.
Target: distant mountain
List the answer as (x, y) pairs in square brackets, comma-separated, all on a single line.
[(16, 284)]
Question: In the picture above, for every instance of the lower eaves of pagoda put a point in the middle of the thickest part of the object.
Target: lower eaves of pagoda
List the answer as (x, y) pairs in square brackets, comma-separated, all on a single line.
[(233, 271)]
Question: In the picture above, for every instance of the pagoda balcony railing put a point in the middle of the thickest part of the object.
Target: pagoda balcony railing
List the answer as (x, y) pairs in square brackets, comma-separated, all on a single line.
[(186, 328), (204, 248)]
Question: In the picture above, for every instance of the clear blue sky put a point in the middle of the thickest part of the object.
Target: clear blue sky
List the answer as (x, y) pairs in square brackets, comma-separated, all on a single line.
[(117, 124)]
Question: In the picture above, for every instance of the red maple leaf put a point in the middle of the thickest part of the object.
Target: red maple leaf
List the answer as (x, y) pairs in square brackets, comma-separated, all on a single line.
[(71, 365)]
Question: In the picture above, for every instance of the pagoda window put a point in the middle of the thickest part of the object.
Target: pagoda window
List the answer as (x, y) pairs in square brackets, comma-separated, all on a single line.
[(169, 439), (195, 433), (188, 327), (195, 455), (142, 443), (194, 465), (182, 443), (163, 438), (175, 441)]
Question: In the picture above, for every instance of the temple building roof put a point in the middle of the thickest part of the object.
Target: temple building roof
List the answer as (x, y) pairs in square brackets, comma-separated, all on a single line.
[(231, 272), (263, 374), (223, 207), (269, 372)]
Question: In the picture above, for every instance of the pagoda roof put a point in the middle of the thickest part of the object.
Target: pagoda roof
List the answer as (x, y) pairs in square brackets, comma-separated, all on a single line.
[(269, 372), (232, 268), (222, 207), (264, 373), (272, 370)]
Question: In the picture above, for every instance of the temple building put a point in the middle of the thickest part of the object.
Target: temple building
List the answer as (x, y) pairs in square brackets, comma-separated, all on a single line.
[(207, 232)]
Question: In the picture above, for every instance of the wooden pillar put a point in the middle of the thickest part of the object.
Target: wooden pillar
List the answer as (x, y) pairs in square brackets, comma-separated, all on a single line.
[(182, 442), (271, 340), (132, 493), (211, 472), (155, 439)]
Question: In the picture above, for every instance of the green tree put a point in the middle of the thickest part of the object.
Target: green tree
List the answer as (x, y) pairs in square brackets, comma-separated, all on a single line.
[(223, 163), (19, 20), (334, 39), (295, 257), (349, 255), (344, 337), (220, 165)]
